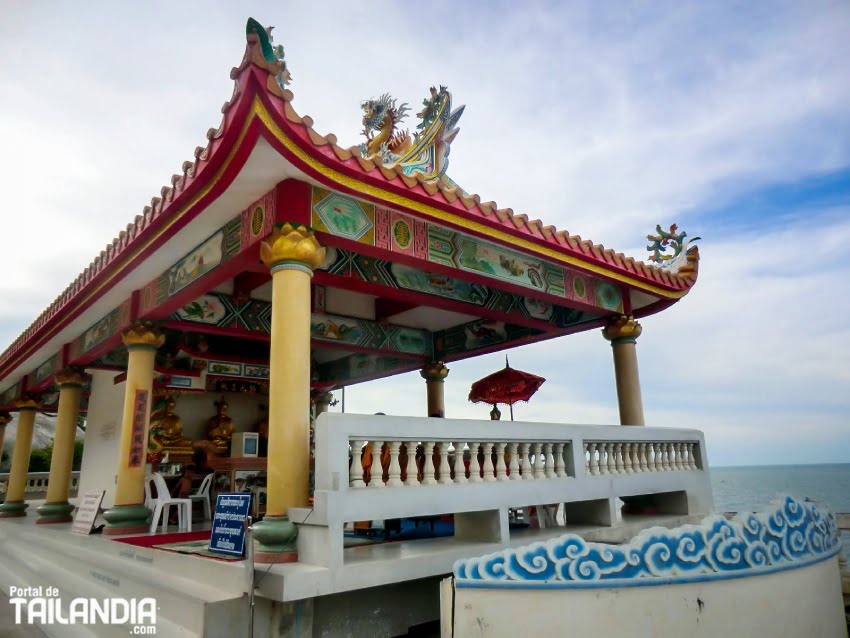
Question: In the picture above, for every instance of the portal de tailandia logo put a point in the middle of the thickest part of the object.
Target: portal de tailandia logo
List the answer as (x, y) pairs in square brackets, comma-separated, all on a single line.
[(44, 606)]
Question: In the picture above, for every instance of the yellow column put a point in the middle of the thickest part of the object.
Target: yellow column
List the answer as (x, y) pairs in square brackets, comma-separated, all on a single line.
[(323, 401), (435, 374), (56, 508), (14, 504), (129, 514), (5, 419), (292, 253), (622, 331)]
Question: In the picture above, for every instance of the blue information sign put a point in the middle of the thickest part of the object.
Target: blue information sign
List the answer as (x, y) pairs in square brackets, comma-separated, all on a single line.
[(228, 525)]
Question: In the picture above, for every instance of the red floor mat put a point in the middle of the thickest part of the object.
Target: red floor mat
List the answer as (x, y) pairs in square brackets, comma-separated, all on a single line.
[(160, 539)]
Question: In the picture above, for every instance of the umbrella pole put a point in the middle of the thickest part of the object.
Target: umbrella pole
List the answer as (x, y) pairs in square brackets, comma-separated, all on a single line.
[(512, 411)]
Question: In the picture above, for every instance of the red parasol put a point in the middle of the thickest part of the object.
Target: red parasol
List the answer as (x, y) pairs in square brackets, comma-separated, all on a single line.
[(505, 386)]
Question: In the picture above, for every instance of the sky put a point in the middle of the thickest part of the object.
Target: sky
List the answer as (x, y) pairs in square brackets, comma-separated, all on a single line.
[(604, 119)]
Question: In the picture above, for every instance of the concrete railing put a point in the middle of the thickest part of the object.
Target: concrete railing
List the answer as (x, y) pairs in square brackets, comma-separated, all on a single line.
[(385, 467), (37, 482)]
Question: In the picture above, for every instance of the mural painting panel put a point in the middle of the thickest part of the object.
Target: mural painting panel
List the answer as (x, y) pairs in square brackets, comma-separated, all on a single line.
[(343, 216), (196, 264)]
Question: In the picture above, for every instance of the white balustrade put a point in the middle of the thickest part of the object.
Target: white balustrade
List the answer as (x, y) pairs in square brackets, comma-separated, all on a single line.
[(37, 482)]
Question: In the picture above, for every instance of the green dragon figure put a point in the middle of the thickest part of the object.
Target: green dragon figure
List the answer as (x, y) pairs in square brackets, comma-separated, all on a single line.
[(664, 241), (260, 50)]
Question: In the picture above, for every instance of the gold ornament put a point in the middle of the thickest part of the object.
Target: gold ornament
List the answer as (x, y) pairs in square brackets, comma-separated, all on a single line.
[(27, 403), (292, 243), (71, 375), (434, 371), (621, 327), (5, 419), (144, 334)]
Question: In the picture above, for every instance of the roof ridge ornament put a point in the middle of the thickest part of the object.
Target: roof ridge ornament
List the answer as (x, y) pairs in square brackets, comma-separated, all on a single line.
[(427, 152), (670, 240), (261, 51)]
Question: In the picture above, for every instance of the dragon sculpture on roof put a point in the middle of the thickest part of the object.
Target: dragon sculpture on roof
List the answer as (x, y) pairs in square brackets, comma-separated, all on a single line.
[(670, 240), (427, 151)]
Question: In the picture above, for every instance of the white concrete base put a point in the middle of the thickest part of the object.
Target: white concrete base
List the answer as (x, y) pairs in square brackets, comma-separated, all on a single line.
[(787, 604)]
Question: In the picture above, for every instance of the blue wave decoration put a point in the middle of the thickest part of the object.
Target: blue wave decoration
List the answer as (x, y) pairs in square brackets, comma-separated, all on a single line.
[(789, 534)]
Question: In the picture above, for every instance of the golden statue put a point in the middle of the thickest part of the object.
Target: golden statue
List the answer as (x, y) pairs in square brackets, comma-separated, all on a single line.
[(220, 427), (166, 433)]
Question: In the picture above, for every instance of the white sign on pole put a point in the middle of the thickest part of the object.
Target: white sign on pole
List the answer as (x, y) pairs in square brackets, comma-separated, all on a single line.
[(87, 512)]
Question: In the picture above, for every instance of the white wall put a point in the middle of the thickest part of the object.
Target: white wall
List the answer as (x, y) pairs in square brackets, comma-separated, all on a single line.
[(103, 435), (798, 602)]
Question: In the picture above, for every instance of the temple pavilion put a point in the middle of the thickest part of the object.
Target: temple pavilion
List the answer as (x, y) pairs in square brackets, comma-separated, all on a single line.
[(277, 265)]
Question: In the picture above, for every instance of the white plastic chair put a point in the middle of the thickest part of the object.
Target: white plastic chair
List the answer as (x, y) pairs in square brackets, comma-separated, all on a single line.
[(161, 505), (203, 494)]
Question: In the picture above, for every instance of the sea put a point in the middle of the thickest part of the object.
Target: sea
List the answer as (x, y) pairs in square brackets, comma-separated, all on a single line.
[(750, 489)]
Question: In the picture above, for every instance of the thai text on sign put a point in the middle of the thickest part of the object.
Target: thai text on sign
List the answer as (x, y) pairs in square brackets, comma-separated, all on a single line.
[(228, 527), (137, 437)]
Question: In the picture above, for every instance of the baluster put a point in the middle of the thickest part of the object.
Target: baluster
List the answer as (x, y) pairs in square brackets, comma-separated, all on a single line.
[(665, 457), (527, 467), (560, 466), (411, 479), (489, 473), (549, 468), (683, 461), (539, 470), (676, 456), (671, 451), (586, 459), (627, 458), (642, 462), (460, 466), (603, 458), (501, 474), (376, 472), (355, 472), (692, 458), (394, 471), (594, 463), (635, 458), (654, 459), (513, 464), (428, 477), (474, 465), (445, 468), (619, 468)]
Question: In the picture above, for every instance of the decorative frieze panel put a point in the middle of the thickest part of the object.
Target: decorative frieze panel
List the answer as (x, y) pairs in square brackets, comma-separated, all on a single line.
[(111, 325), (45, 370), (378, 271), (477, 335), (244, 230), (223, 311), (352, 219)]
